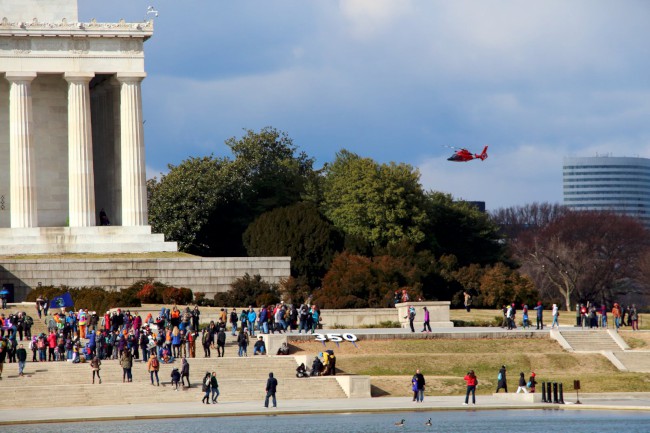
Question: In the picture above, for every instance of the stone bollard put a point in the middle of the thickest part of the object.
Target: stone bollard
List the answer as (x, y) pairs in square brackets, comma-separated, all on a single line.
[(549, 394), (555, 399), (561, 400), (544, 392)]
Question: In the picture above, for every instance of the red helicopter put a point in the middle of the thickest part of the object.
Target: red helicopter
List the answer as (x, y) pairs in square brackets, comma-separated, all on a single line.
[(464, 155)]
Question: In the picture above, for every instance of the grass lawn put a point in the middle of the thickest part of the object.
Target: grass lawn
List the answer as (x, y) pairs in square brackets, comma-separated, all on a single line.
[(392, 363)]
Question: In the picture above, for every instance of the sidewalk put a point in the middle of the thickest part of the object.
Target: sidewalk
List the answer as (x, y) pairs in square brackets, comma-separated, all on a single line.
[(152, 410)]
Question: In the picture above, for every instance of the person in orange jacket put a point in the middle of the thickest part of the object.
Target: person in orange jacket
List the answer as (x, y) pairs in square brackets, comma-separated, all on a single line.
[(616, 312)]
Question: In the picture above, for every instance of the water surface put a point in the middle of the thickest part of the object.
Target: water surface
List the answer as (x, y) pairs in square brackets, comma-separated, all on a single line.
[(539, 421)]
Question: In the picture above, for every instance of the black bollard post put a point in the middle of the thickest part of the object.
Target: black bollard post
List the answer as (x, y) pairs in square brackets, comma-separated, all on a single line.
[(549, 394), (561, 394), (543, 392), (555, 399)]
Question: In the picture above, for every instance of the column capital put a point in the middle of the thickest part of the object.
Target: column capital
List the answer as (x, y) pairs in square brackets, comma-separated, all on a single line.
[(20, 76), (130, 77), (78, 77)]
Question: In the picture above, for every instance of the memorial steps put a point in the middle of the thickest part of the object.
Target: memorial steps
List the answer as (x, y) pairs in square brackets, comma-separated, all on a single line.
[(100, 239), (240, 379), (609, 344), (590, 340)]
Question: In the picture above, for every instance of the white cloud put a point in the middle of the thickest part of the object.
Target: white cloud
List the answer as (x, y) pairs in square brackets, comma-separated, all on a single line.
[(368, 18), (155, 171)]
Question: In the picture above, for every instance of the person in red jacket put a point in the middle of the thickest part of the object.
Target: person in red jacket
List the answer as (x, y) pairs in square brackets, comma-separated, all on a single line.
[(472, 381), (51, 344)]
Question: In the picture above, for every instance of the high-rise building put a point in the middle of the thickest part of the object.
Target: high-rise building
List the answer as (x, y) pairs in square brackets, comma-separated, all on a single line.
[(618, 184)]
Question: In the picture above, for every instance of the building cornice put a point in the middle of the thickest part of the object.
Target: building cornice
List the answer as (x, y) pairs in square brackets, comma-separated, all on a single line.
[(93, 29)]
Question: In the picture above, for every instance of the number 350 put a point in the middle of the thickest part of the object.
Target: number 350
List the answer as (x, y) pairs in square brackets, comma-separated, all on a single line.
[(336, 337)]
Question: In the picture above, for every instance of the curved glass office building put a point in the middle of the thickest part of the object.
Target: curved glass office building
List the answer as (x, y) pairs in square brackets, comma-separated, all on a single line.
[(619, 184)]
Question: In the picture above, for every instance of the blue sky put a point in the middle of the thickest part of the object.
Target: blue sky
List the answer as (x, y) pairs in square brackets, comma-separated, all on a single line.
[(396, 80)]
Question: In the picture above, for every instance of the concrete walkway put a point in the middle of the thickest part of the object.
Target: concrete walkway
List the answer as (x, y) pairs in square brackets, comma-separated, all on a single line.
[(149, 410)]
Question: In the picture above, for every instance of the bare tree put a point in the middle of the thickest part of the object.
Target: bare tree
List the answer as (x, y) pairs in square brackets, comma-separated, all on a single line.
[(533, 216), (584, 255)]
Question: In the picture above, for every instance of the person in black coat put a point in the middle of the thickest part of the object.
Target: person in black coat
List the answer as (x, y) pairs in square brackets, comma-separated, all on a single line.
[(502, 379), (271, 388), (185, 372), (176, 376), (221, 342)]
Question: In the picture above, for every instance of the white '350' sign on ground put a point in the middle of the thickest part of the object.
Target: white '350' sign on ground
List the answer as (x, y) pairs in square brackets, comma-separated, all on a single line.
[(336, 337)]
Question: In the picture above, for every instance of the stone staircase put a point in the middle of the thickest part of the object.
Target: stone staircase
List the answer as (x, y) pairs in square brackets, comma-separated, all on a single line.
[(587, 340), (606, 342), (60, 384), (95, 239)]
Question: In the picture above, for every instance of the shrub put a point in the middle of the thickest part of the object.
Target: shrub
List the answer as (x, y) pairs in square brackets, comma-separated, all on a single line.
[(149, 295), (93, 298), (247, 291), (384, 324), (179, 296)]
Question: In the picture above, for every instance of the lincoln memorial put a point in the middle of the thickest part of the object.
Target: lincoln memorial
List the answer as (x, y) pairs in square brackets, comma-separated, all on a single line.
[(71, 132)]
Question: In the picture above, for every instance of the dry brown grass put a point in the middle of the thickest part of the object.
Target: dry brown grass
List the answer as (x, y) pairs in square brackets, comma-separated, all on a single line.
[(636, 339), (392, 363)]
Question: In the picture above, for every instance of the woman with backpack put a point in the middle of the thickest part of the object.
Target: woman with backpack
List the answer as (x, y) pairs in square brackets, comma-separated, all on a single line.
[(153, 365), (205, 387), (532, 382)]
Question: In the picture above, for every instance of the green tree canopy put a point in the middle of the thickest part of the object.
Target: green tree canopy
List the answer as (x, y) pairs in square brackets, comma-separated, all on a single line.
[(460, 229), (298, 231), (205, 204), (378, 203), (182, 204)]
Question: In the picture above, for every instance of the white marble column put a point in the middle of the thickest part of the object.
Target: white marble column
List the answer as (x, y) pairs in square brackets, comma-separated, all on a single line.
[(134, 186), (21, 151), (80, 151)]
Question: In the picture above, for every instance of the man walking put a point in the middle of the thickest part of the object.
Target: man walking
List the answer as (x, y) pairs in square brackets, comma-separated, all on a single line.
[(271, 387), (21, 354), (540, 312)]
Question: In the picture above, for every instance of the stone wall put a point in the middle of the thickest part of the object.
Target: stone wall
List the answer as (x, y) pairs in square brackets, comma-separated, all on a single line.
[(209, 275), (438, 314), (357, 318)]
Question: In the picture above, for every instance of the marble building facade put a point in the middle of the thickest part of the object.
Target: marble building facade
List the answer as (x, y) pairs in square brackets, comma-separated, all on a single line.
[(71, 131)]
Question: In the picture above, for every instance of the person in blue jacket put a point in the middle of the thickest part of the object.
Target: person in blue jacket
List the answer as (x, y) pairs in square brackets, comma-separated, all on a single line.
[(264, 320), (251, 321), (92, 343)]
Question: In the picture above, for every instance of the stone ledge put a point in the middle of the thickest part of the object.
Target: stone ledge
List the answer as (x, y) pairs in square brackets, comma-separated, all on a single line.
[(521, 397)]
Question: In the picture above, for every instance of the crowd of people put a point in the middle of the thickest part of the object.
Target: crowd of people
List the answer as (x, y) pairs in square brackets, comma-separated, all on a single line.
[(595, 316), (588, 315), (122, 335)]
